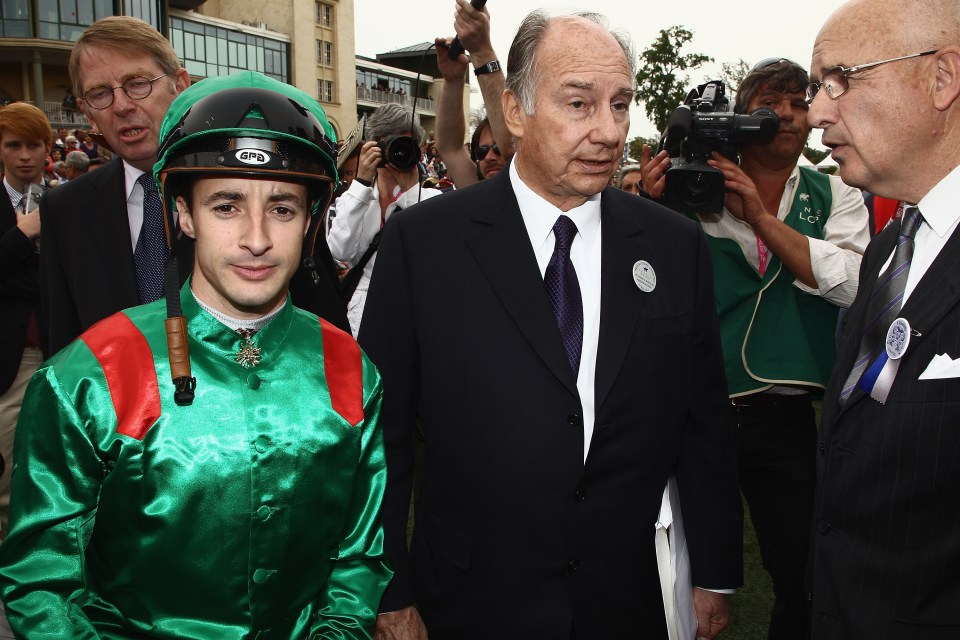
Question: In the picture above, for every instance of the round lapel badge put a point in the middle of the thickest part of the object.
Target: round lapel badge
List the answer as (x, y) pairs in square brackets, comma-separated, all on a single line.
[(644, 276), (898, 338)]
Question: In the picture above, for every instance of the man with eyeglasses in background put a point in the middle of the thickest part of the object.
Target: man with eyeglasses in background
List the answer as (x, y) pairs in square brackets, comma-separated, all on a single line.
[(104, 233), (103, 237), (886, 552), (786, 255)]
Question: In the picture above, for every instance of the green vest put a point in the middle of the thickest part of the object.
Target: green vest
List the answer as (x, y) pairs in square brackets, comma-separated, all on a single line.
[(772, 332)]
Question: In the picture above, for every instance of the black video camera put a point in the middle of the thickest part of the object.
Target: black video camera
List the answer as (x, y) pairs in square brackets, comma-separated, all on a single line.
[(402, 152), (704, 123)]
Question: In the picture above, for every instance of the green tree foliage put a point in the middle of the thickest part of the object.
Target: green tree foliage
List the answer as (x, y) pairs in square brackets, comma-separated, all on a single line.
[(661, 86), (635, 146), (733, 74), (815, 155)]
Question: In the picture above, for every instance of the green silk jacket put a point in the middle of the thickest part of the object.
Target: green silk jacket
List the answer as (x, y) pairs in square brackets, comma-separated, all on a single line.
[(252, 513)]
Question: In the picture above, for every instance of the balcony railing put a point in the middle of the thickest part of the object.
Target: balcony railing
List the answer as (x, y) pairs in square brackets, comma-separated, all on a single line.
[(61, 116), (366, 94)]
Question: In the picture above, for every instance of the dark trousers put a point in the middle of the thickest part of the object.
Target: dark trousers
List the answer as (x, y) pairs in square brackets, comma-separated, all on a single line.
[(777, 439)]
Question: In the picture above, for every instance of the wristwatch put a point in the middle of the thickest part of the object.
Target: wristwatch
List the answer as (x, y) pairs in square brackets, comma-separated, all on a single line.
[(491, 67)]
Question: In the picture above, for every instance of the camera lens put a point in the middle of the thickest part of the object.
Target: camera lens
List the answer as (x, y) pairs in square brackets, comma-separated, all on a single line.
[(401, 151), (696, 189)]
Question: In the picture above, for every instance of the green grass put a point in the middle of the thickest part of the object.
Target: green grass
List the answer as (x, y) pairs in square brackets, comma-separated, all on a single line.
[(750, 605)]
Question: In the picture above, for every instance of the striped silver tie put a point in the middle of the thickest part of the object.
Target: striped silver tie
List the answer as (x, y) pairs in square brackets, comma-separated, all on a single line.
[(885, 301)]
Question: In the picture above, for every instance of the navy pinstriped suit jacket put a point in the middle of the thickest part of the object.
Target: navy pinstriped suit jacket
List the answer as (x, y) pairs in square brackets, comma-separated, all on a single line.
[(887, 519)]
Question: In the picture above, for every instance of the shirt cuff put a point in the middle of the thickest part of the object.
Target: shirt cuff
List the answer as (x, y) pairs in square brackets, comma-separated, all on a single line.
[(835, 272), (727, 592)]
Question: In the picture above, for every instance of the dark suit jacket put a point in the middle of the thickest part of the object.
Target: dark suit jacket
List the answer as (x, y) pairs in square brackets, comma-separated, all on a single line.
[(19, 290), (88, 272), (515, 536), (887, 538)]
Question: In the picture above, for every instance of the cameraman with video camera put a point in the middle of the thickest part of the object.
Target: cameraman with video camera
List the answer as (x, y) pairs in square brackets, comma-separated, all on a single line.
[(786, 251), (387, 180)]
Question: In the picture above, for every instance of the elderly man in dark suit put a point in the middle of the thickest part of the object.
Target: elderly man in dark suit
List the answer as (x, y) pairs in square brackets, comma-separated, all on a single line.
[(104, 235), (886, 92), (558, 341)]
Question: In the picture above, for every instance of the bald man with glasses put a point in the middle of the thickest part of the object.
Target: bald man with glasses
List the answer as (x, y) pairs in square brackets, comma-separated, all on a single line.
[(786, 254), (886, 553)]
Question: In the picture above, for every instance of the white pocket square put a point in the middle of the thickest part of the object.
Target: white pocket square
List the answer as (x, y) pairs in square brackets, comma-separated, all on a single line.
[(941, 367)]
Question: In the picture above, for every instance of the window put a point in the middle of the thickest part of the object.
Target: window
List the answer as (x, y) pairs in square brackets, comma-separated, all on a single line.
[(61, 20), (143, 9), (325, 53), (15, 19), (208, 51), (324, 14), (325, 90)]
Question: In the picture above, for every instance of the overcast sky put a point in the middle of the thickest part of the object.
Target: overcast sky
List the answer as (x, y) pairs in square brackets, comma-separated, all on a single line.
[(726, 30)]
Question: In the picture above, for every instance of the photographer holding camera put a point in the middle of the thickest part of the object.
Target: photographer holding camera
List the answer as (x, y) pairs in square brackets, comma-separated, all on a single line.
[(786, 252), (387, 180)]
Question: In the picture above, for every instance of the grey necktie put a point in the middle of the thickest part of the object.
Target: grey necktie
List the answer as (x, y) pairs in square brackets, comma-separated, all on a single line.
[(885, 301)]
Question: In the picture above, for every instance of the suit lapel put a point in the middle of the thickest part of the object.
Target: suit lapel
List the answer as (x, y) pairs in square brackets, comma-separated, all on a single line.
[(106, 208), (880, 248), (937, 292), (933, 297), (502, 249), (8, 217), (620, 300)]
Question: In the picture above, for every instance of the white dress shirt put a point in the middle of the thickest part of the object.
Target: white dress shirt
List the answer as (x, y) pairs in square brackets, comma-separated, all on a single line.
[(14, 195), (134, 201), (940, 218), (835, 260), (357, 221), (539, 216)]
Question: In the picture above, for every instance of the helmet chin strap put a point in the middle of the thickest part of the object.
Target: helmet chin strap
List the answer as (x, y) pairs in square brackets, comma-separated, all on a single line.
[(178, 350), (248, 125)]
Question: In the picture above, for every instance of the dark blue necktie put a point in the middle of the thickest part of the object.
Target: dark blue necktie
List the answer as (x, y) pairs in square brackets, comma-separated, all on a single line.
[(150, 255), (885, 301), (563, 288)]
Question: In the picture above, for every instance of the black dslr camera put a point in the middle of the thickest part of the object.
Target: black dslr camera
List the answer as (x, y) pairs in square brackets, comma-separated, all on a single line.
[(402, 152), (702, 124)]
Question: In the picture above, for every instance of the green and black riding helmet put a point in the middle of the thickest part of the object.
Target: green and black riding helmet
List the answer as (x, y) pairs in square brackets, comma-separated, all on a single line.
[(244, 124)]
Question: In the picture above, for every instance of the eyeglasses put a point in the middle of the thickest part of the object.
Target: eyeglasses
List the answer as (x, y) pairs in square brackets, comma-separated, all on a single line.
[(836, 80), (136, 88), (483, 150)]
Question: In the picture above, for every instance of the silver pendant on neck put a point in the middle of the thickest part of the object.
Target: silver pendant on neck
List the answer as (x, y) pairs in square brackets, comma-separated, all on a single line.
[(248, 355)]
